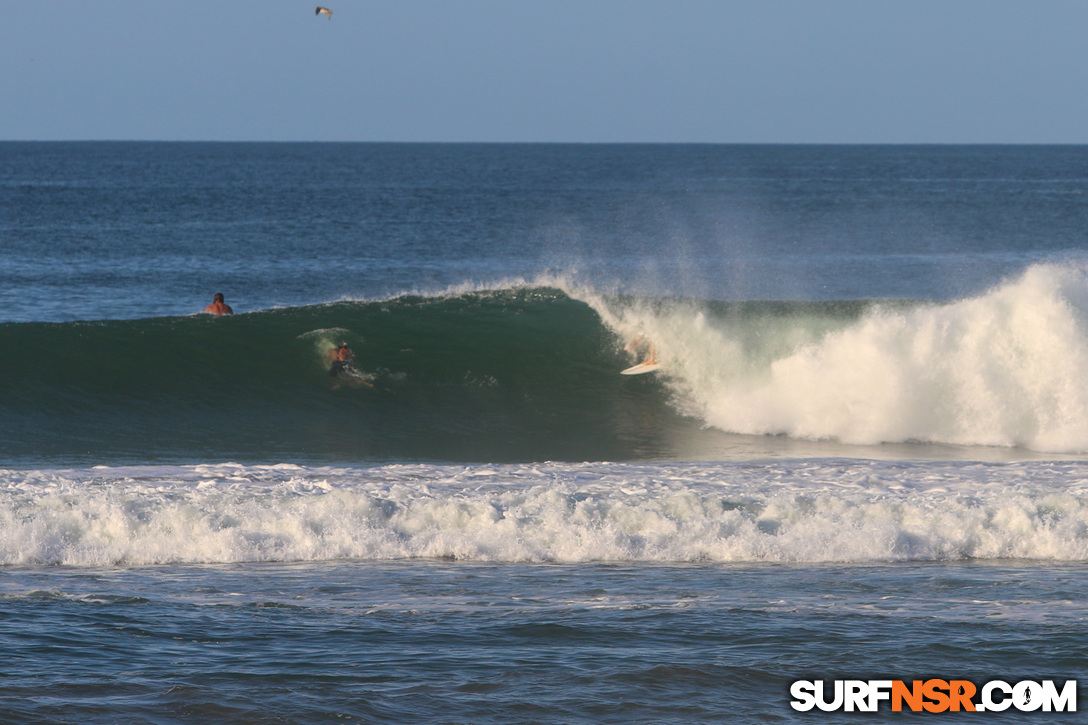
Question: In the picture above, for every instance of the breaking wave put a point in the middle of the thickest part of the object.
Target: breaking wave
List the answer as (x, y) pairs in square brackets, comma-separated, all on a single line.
[(792, 511), (529, 373)]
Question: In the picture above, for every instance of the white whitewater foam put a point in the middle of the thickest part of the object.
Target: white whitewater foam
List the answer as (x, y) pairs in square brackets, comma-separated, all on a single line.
[(1006, 368), (789, 511)]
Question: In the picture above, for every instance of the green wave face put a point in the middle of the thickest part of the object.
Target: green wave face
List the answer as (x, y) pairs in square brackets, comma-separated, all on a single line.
[(531, 373), (526, 374)]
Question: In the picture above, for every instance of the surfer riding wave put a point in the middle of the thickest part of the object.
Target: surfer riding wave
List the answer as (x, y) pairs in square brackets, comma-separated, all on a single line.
[(339, 360), (649, 364)]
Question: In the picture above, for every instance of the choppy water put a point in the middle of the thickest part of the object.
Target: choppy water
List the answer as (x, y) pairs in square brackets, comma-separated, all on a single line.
[(863, 457), (434, 641)]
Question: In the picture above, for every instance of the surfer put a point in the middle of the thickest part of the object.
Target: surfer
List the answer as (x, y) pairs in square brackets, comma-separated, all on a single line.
[(651, 358), (339, 359), (649, 364), (218, 306)]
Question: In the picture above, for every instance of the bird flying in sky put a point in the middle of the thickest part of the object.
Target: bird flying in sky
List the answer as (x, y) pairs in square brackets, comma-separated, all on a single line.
[(323, 11)]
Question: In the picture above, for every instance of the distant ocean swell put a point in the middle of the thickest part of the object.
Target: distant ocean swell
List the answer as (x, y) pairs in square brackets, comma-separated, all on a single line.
[(531, 373), (815, 511)]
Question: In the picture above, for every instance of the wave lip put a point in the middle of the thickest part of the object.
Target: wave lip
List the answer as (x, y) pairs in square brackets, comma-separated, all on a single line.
[(805, 511)]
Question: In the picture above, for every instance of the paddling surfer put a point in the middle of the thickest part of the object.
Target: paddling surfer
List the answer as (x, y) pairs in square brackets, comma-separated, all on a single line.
[(339, 358), (218, 306)]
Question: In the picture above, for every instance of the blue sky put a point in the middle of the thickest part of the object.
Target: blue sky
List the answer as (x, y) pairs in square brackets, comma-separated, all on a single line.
[(719, 71)]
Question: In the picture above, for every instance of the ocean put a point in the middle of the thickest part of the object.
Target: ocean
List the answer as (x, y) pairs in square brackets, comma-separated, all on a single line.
[(865, 455)]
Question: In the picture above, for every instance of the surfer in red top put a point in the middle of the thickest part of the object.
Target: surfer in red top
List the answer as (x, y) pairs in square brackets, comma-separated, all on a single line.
[(218, 306), (651, 357), (338, 359)]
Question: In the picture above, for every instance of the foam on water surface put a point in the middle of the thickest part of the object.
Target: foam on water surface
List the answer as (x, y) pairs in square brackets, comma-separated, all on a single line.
[(833, 510), (1004, 368)]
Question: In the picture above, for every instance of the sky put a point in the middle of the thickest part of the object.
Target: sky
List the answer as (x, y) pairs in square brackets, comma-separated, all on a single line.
[(658, 71)]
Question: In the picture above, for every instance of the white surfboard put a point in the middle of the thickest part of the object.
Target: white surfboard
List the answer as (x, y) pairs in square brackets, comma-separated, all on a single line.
[(358, 376), (644, 367)]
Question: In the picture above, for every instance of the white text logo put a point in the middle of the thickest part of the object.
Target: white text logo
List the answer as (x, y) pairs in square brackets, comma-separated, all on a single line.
[(933, 695)]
